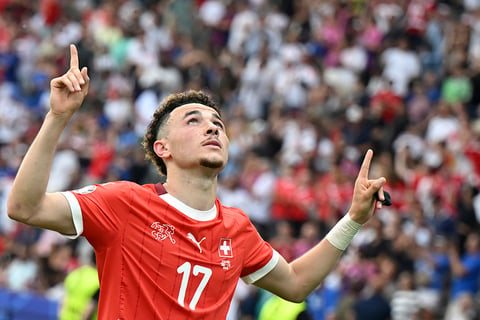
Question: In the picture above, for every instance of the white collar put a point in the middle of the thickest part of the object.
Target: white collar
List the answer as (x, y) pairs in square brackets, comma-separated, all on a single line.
[(199, 215)]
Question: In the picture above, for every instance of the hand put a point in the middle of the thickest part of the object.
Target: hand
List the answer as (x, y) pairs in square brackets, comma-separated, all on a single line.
[(69, 90), (363, 203)]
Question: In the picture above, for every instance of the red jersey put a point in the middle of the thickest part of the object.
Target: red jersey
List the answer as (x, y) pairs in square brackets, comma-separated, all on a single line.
[(159, 259), (418, 14)]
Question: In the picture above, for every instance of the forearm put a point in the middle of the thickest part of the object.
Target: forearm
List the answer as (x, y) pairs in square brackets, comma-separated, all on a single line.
[(295, 281), (312, 268), (31, 181)]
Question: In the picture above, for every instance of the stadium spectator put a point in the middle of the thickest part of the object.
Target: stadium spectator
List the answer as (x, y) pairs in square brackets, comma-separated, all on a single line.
[(404, 303), (81, 293), (465, 268)]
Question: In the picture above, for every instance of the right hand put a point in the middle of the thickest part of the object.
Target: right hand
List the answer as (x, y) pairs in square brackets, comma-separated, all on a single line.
[(69, 90)]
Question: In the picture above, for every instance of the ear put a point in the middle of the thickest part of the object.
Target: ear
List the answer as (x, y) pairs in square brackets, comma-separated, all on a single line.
[(161, 148)]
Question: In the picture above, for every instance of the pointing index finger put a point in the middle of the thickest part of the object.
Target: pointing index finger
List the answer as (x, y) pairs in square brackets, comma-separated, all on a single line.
[(73, 57), (365, 168)]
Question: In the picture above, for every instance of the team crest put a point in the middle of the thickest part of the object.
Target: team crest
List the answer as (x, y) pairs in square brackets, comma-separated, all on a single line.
[(225, 264), (225, 248), (163, 231)]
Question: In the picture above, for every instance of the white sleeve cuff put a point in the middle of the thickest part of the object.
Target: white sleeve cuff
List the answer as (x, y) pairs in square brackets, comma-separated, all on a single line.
[(76, 214), (260, 273)]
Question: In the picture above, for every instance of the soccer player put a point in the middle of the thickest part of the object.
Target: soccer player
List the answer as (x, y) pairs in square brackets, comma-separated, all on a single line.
[(172, 251)]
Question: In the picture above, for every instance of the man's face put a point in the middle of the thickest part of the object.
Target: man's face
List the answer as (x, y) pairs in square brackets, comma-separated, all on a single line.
[(194, 137)]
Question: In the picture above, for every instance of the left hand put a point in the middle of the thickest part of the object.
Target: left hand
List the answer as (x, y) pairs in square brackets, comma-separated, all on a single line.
[(363, 202)]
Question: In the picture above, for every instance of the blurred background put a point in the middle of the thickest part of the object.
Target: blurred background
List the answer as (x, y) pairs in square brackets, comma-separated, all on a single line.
[(305, 87)]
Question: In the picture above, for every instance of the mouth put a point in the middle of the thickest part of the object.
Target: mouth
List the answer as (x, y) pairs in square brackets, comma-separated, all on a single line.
[(212, 143)]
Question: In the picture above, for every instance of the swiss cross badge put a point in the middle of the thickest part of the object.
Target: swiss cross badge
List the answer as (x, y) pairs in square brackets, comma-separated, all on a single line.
[(225, 248)]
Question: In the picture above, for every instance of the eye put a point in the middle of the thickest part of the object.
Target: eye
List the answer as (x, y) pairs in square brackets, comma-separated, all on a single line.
[(192, 120), (219, 124)]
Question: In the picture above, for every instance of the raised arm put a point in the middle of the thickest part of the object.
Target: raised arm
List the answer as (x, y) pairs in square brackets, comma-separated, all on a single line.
[(28, 201), (295, 281)]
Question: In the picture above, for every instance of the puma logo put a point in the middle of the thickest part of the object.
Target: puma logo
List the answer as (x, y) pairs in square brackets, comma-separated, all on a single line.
[(192, 237)]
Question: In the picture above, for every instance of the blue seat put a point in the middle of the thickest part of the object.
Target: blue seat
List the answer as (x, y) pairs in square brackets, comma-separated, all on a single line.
[(26, 306)]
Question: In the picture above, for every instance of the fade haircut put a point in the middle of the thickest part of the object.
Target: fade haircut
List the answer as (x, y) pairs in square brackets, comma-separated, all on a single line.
[(162, 114)]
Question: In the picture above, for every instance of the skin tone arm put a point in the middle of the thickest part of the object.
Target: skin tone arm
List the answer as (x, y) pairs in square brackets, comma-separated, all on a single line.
[(28, 201), (456, 265), (295, 281)]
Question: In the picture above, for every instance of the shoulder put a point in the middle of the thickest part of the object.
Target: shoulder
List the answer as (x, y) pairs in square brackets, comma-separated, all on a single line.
[(231, 210), (116, 188), (233, 214)]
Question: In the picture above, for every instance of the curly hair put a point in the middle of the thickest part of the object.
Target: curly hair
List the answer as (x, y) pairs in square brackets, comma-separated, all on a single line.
[(161, 116)]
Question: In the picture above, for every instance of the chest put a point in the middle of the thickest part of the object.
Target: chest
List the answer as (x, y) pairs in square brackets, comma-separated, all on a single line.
[(162, 237)]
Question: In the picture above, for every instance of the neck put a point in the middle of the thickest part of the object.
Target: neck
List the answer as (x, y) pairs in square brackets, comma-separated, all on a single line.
[(198, 192)]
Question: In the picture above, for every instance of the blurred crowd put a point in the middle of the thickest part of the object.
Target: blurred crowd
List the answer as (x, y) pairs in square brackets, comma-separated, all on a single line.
[(305, 87)]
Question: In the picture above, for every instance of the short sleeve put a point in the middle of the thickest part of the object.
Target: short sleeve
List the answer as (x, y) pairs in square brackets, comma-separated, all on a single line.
[(260, 257), (98, 211)]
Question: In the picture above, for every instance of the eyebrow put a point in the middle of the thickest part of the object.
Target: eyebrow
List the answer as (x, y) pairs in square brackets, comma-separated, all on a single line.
[(196, 112)]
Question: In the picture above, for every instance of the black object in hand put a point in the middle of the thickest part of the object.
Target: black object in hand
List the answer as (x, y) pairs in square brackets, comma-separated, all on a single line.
[(388, 199)]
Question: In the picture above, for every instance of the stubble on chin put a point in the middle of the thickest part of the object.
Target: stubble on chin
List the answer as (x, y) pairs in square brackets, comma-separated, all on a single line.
[(212, 164)]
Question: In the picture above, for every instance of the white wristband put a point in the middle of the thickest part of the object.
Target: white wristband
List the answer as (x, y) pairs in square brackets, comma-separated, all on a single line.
[(343, 232)]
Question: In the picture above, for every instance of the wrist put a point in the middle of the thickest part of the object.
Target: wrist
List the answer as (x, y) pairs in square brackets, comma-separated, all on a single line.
[(58, 118), (343, 232), (356, 217)]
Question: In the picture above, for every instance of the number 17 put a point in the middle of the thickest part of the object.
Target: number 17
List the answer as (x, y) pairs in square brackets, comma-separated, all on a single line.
[(185, 270)]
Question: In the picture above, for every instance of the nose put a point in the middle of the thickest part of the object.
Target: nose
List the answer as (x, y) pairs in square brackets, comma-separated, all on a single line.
[(212, 129)]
